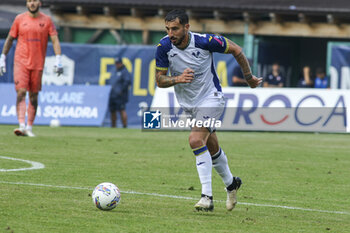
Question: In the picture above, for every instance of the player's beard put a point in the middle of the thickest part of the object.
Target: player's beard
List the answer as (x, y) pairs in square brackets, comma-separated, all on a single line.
[(180, 40), (33, 11)]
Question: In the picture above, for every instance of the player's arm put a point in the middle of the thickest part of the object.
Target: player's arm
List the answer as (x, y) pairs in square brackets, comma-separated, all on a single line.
[(163, 80), (8, 44), (5, 51), (128, 79), (242, 60), (162, 64), (57, 49), (56, 44)]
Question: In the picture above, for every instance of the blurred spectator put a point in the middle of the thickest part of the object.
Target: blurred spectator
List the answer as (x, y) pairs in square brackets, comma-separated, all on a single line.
[(321, 80), (118, 97), (238, 79), (305, 80), (274, 79)]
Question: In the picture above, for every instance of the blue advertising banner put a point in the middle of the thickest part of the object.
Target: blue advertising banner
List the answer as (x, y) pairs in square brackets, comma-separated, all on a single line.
[(86, 64), (79, 105), (340, 65)]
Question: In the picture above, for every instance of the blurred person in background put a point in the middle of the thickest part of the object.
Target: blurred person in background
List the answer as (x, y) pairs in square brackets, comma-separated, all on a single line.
[(321, 80), (120, 83), (238, 79), (275, 78), (32, 30), (305, 80)]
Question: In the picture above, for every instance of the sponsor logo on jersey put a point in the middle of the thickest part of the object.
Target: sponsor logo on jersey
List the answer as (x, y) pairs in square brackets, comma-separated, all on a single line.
[(219, 40)]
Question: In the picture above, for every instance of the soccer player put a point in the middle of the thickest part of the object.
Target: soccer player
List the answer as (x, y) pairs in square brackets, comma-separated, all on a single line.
[(189, 57), (32, 30)]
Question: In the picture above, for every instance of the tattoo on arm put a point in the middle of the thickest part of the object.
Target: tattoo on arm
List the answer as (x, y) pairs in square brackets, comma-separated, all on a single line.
[(243, 62), (165, 81)]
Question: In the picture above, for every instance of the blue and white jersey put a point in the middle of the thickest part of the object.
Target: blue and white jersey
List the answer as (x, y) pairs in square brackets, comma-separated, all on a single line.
[(197, 56)]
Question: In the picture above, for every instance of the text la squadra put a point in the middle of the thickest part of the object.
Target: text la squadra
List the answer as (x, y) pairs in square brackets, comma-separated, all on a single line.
[(55, 111)]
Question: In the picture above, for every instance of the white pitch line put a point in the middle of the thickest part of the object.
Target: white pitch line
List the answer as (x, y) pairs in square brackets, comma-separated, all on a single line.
[(35, 165), (182, 197)]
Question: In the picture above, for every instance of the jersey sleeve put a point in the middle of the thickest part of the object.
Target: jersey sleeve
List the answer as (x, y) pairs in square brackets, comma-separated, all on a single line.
[(162, 61), (52, 28), (14, 28), (212, 42)]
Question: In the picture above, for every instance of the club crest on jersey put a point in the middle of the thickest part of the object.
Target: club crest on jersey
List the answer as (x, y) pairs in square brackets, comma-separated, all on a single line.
[(196, 54)]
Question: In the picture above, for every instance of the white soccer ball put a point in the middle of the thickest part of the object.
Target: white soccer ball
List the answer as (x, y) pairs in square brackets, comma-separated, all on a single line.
[(55, 123), (106, 196)]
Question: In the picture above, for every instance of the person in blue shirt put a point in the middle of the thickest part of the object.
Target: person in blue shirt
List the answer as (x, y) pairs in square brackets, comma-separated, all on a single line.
[(118, 97), (321, 80)]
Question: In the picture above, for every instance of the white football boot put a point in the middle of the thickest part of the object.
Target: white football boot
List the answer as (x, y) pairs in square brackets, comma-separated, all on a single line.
[(19, 131), (231, 200), (29, 133), (204, 204)]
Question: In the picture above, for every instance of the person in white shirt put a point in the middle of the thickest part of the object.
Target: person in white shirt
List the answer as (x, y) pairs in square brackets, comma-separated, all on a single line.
[(188, 56)]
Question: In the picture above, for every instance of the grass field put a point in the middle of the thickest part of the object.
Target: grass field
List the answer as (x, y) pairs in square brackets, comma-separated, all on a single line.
[(293, 182)]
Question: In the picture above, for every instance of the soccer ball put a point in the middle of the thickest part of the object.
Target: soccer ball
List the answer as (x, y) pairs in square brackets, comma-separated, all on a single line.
[(106, 196), (54, 123)]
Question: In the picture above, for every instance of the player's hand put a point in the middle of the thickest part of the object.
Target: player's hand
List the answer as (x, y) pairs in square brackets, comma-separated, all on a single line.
[(2, 64), (186, 77), (58, 68), (254, 81)]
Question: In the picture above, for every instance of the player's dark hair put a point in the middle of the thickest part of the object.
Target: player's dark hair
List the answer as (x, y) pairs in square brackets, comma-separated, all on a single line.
[(180, 14)]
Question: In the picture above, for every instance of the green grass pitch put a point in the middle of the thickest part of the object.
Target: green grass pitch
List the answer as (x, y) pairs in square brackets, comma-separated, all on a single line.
[(292, 182)]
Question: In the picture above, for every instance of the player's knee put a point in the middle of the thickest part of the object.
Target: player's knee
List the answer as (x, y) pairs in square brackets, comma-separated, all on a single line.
[(213, 146), (195, 141), (33, 100), (21, 94)]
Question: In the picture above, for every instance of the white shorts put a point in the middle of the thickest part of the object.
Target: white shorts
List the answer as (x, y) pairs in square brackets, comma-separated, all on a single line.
[(211, 107)]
